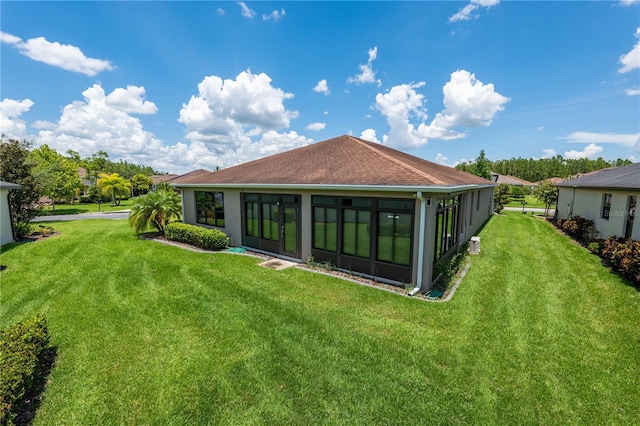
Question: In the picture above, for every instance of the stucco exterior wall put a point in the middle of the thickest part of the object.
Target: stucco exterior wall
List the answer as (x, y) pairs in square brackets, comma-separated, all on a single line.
[(588, 203), (233, 214), (6, 231)]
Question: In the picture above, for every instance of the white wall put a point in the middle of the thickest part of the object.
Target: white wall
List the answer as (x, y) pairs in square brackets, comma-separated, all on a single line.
[(6, 231), (588, 204)]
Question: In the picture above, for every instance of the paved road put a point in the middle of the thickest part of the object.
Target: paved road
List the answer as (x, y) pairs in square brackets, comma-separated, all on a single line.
[(103, 215), (529, 209)]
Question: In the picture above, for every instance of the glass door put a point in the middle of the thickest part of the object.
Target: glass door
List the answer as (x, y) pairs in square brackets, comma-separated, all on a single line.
[(289, 231), (631, 215)]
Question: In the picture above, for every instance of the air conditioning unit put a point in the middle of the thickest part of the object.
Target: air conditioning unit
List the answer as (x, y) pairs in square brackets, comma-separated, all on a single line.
[(474, 245)]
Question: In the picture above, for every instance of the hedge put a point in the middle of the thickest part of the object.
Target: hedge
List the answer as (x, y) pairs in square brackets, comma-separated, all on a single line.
[(23, 347), (207, 239), (623, 255)]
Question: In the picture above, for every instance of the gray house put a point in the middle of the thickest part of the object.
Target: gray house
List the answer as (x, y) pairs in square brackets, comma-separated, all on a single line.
[(609, 197), (361, 206)]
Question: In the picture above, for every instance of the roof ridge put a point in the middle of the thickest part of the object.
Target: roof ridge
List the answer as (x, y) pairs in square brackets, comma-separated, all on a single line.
[(399, 162)]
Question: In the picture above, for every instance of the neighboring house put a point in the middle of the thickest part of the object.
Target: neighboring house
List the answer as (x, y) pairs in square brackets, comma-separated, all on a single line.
[(511, 180), (7, 234), (361, 206), (609, 197), (157, 179), (551, 180), (84, 178)]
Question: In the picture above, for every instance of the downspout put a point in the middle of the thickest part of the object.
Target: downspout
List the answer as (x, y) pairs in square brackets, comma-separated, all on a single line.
[(421, 227)]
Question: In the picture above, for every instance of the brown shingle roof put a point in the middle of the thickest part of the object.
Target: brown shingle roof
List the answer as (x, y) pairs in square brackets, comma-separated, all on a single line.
[(344, 160), (156, 179), (194, 174)]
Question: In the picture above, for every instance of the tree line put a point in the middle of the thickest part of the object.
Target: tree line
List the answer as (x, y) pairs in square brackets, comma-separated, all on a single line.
[(42, 171), (537, 169)]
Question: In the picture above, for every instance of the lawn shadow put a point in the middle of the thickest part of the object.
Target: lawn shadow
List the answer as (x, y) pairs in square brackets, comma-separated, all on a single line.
[(31, 401)]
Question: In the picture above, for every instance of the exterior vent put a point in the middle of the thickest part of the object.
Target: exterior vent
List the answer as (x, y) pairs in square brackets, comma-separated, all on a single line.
[(474, 245)]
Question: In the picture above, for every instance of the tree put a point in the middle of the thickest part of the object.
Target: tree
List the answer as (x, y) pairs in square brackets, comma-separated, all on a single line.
[(16, 167), (58, 176), (548, 194), (501, 197), (114, 186), (482, 166), (154, 209), (141, 184)]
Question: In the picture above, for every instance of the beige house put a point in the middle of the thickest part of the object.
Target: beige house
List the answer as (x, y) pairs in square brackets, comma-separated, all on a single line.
[(609, 197), (6, 223), (361, 206)]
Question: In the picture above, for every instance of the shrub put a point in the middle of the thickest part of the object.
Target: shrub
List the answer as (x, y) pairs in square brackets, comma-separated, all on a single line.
[(23, 347), (623, 255), (208, 239), (22, 229), (579, 228)]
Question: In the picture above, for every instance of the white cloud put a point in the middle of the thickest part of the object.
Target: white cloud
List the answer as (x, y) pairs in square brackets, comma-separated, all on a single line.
[(221, 11), (441, 159), (369, 135), (549, 153), (322, 87), (274, 15), (628, 2), (227, 113), (632, 92), (316, 126), (10, 123), (468, 103), (246, 11), (130, 100), (590, 151), (98, 122), (466, 12), (63, 56), (631, 61), (43, 125), (539, 129), (367, 75), (628, 139)]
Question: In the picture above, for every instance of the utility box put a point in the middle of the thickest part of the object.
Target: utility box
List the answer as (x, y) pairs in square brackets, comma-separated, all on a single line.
[(474, 245)]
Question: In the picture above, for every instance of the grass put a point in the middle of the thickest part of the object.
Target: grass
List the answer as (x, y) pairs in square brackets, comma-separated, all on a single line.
[(532, 202), (85, 208), (538, 332)]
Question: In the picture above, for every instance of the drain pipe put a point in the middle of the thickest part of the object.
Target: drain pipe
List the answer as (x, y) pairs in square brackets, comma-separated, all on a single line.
[(423, 215)]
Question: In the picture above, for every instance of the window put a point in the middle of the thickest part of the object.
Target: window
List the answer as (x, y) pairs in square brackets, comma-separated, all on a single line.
[(447, 223), (356, 232), (252, 218), (325, 228), (471, 209), (210, 208), (606, 206), (478, 201), (394, 237)]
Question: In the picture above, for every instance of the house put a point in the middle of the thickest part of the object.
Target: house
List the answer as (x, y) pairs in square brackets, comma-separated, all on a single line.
[(361, 206), (511, 180), (609, 197), (7, 234), (158, 179), (192, 174)]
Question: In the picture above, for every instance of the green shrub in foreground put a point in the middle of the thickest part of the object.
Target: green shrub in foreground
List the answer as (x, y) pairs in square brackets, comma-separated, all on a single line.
[(207, 239), (22, 350)]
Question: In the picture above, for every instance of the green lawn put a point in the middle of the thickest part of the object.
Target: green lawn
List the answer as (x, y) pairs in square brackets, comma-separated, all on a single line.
[(85, 208), (532, 202), (538, 333)]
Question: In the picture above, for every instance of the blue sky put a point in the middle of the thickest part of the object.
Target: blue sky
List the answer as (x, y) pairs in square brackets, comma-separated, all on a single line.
[(187, 85)]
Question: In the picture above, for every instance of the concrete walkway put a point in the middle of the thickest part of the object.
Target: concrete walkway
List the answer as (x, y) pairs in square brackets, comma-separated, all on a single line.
[(529, 209)]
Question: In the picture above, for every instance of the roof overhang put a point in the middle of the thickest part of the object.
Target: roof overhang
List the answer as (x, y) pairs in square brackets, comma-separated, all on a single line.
[(334, 187)]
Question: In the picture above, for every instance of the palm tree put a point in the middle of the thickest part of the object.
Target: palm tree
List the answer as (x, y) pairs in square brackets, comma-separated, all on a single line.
[(154, 209), (114, 186)]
